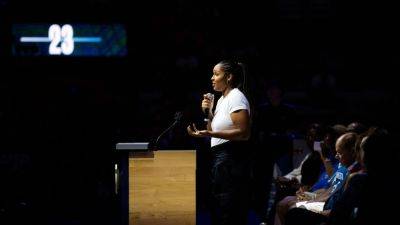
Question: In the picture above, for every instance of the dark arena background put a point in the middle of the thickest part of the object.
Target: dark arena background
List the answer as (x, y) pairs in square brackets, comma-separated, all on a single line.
[(63, 109)]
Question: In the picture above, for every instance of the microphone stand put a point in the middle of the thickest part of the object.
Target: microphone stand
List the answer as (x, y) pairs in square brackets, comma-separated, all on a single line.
[(177, 117)]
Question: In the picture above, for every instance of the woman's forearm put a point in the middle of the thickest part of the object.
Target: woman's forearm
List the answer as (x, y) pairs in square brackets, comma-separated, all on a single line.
[(210, 118)]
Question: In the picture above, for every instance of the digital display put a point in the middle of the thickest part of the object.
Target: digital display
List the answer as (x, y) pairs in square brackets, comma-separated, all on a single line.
[(83, 40)]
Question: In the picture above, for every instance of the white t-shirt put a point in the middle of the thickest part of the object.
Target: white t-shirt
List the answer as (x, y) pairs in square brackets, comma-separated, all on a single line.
[(235, 100)]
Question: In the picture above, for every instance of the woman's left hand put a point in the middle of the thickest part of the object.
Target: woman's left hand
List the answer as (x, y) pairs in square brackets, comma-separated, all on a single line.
[(198, 133)]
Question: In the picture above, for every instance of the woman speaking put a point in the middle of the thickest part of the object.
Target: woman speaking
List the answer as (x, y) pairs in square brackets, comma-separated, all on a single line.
[(229, 129)]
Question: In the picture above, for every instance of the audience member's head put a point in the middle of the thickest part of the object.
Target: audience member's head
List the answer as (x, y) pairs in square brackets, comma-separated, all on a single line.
[(315, 132), (359, 150), (376, 149), (346, 149), (356, 127), (339, 129), (274, 93), (330, 137)]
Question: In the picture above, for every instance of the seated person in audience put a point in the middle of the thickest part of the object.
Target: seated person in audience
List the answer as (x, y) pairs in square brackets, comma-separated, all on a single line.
[(323, 157), (324, 198), (361, 202), (315, 169), (359, 155), (290, 183), (327, 154)]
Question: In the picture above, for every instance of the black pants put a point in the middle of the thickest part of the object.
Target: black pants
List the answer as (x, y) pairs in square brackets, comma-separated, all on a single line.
[(230, 179)]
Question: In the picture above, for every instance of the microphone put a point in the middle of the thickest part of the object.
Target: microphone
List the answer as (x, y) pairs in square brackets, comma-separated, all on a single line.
[(207, 110), (177, 118)]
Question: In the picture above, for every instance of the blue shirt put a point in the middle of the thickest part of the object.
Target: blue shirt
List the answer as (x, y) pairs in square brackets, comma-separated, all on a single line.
[(337, 180), (323, 180)]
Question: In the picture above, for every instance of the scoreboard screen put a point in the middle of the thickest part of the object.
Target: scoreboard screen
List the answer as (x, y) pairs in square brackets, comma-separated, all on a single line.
[(82, 40)]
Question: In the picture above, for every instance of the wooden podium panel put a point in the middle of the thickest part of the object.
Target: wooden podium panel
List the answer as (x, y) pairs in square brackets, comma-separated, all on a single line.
[(162, 188)]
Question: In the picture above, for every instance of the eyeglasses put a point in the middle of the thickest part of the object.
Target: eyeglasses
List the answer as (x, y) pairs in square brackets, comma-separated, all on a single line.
[(338, 155)]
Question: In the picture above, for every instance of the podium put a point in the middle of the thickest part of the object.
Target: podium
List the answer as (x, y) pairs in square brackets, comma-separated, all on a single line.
[(156, 187)]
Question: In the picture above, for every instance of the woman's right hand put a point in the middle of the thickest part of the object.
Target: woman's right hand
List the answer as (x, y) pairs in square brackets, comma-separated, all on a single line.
[(208, 102)]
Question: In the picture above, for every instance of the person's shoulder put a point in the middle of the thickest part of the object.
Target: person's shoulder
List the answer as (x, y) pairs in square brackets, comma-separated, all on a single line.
[(237, 94), (357, 180), (236, 91), (358, 177)]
